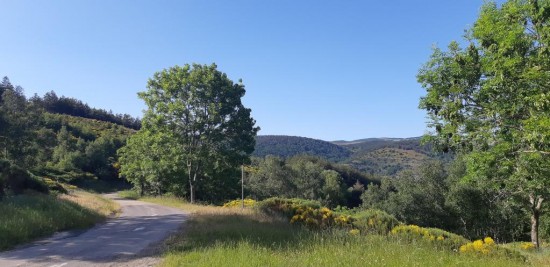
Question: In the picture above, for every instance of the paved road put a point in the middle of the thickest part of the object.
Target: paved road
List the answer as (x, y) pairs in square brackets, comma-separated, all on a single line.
[(121, 241)]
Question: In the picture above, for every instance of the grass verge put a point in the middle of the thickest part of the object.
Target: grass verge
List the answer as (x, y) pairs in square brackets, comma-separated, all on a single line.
[(216, 236), (27, 217)]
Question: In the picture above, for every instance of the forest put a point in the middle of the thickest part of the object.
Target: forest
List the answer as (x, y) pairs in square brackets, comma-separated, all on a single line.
[(44, 142)]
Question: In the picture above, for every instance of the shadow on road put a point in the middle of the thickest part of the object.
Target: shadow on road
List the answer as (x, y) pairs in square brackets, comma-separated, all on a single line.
[(119, 238)]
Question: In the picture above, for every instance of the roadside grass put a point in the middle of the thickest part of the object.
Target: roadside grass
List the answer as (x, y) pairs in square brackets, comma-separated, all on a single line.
[(540, 257), (31, 216), (216, 236), (129, 194)]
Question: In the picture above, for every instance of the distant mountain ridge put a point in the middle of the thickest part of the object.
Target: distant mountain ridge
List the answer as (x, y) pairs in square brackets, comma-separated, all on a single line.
[(382, 156), (288, 146), (373, 139)]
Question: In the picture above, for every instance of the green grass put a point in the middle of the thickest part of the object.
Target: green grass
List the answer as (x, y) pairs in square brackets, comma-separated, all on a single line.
[(27, 217), (217, 236), (129, 194), (540, 257)]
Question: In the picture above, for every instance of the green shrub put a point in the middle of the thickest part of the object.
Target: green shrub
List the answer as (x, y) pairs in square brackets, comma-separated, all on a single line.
[(374, 221), (15, 180)]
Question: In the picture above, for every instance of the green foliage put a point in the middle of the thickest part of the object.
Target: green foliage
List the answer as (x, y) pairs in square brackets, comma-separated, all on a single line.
[(413, 197), (14, 180), (490, 101), (435, 196), (305, 177), (61, 147), (374, 221), (290, 146), (199, 110), (147, 161)]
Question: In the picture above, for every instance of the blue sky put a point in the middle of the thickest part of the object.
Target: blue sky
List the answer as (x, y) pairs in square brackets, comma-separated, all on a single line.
[(322, 69)]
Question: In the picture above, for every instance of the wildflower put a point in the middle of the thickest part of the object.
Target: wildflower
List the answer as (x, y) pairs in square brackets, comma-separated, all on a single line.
[(440, 238), (489, 241), (478, 245)]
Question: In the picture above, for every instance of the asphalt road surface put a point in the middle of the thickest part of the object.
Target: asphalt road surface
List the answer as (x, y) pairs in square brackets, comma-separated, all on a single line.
[(121, 241)]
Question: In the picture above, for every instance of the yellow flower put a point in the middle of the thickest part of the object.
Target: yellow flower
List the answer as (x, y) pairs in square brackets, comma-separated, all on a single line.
[(527, 246), (478, 245), (489, 241), (440, 238)]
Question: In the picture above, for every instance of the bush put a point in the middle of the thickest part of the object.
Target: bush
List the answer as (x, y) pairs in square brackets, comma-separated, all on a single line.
[(15, 180), (487, 246), (374, 221), (306, 212), (286, 206), (237, 203), (437, 236)]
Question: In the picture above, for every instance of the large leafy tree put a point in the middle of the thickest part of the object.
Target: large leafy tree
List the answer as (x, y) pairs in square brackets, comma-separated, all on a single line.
[(200, 108), (491, 101)]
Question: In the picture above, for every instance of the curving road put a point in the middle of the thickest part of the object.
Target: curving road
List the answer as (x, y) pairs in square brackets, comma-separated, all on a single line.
[(123, 241)]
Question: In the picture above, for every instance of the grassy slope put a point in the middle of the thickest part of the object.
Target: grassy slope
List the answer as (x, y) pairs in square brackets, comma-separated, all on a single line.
[(217, 236), (27, 217)]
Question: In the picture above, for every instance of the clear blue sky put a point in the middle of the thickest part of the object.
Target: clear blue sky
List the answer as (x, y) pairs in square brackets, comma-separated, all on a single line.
[(322, 69)]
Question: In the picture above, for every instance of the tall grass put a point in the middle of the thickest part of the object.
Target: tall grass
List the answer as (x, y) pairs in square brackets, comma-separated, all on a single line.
[(216, 236), (27, 217)]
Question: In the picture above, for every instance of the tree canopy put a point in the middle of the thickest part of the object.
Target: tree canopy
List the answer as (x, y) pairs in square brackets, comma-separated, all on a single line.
[(490, 100), (199, 109)]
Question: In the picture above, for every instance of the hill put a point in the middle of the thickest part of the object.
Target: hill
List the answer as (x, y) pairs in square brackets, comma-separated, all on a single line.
[(288, 146), (381, 156), (388, 156)]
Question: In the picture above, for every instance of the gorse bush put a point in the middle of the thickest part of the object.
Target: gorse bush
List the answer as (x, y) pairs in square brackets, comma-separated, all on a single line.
[(321, 218), (434, 235), (484, 246), (374, 221), (286, 207), (487, 246), (237, 203), (306, 212)]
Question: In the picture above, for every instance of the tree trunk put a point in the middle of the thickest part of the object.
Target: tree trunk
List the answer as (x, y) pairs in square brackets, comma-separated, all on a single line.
[(536, 204), (191, 185), (535, 228)]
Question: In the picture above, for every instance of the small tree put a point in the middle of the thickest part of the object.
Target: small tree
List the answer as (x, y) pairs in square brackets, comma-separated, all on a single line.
[(491, 101)]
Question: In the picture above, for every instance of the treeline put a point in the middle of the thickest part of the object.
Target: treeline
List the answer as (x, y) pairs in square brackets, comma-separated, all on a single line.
[(74, 107), (306, 177), (289, 146), (435, 195), (56, 146)]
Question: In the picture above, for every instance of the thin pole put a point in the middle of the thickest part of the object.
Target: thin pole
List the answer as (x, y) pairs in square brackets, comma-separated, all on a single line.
[(242, 186)]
